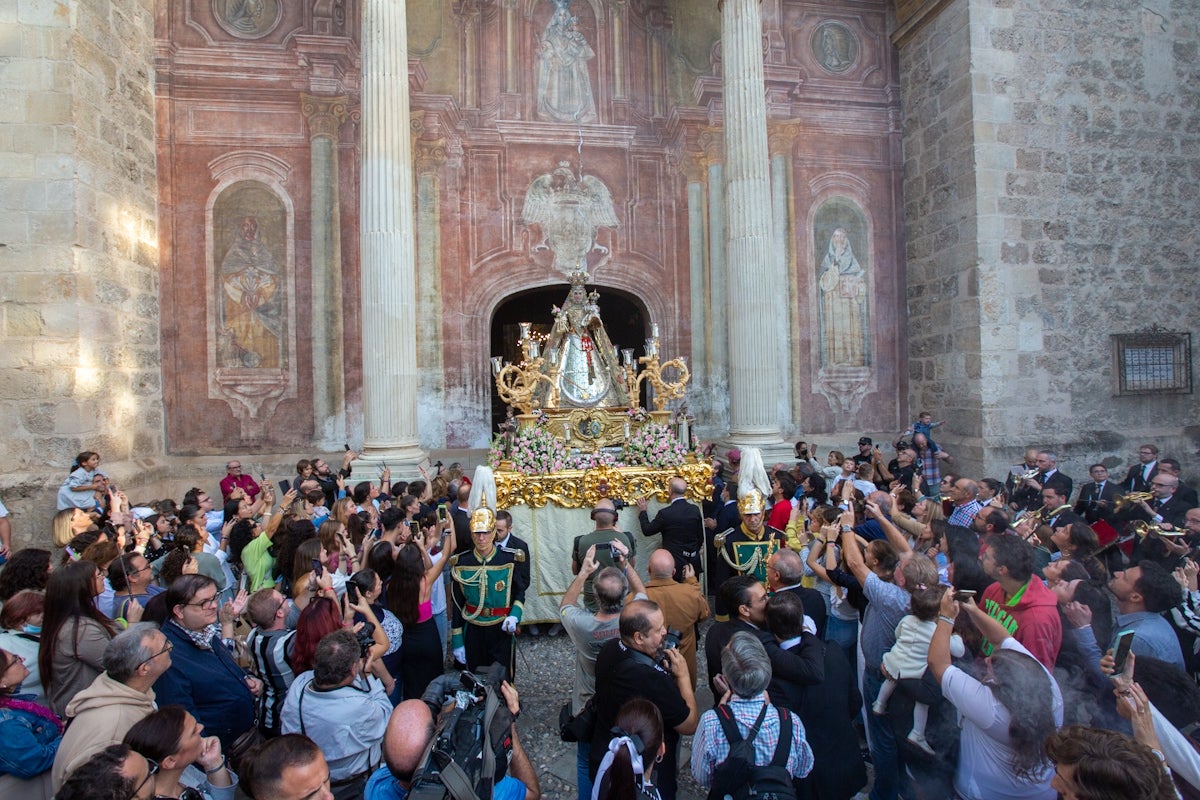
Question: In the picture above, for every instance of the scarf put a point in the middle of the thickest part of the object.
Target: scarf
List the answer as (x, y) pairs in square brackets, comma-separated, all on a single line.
[(30, 707), (203, 637)]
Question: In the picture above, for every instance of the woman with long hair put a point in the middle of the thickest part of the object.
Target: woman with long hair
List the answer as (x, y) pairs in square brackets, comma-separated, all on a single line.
[(30, 732), (409, 597), (627, 771), (190, 765), (1005, 717), (74, 632), (318, 618), (370, 588), (333, 537), (306, 556), (69, 523)]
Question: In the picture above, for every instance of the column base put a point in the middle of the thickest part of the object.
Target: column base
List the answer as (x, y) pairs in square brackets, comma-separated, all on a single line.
[(401, 459), (771, 445)]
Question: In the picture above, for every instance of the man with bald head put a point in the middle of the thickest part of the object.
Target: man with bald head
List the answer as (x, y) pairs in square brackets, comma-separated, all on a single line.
[(408, 734), (681, 525), (682, 604)]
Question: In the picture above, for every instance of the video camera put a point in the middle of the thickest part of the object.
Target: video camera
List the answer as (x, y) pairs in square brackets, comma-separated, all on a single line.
[(472, 741)]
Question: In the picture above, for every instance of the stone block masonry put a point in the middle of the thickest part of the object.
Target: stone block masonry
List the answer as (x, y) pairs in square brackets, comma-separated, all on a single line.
[(79, 365)]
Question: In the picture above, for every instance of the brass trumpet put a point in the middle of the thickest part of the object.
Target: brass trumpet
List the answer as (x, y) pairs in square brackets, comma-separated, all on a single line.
[(1039, 517), (1027, 476), (1124, 501), (1142, 528)]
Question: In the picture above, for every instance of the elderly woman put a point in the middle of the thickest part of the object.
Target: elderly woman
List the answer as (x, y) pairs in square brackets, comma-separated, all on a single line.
[(1004, 718), (30, 733)]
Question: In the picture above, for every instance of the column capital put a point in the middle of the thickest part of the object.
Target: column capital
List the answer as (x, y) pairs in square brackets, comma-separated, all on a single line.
[(711, 142), (429, 155), (780, 137), (324, 114), (692, 165)]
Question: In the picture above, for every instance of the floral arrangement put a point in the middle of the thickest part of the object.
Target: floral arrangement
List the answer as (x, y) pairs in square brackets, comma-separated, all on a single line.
[(654, 445), (532, 451), (585, 460)]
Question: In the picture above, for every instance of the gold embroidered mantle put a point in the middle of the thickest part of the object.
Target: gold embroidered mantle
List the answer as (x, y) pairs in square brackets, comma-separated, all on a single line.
[(582, 488)]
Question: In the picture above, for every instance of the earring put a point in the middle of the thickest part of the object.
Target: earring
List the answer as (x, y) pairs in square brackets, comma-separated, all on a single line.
[(659, 759)]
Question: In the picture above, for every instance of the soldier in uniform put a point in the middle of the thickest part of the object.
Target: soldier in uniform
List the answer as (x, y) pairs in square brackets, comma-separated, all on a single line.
[(489, 595), (745, 549)]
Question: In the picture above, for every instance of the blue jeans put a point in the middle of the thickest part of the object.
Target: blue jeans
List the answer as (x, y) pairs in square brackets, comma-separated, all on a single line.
[(884, 757), (582, 753)]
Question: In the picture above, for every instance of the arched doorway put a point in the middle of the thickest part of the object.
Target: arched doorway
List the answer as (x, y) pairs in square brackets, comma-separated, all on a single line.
[(624, 318)]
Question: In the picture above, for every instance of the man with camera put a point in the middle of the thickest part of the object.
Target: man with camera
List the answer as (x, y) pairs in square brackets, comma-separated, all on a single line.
[(591, 631), (406, 745), (342, 709), (604, 514), (640, 665)]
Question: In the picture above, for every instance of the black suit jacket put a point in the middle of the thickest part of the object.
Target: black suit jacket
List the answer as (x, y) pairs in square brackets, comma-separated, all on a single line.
[(682, 529), (814, 606), (1174, 510), (826, 710), (521, 570), (462, 529), (803, 665), (1134, 482), (1187, 495), (1088, 505)]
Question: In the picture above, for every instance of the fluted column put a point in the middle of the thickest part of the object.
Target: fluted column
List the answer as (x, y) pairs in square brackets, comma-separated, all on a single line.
[(325, 116), (753, 410), (389, 342)]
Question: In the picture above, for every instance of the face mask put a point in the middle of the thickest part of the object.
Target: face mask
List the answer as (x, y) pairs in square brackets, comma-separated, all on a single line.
[(33, 628)]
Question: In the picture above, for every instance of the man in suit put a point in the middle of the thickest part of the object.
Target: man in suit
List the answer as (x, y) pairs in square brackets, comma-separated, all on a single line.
[(1096, 498), (1139, 476), (461, 517), (784, 572), (1184, 493), (681, 526), (1165, 507), (1048, 475), (507, 541)]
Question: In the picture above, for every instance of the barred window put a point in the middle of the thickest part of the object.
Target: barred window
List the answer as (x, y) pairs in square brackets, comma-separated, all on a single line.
[(1152, 361)]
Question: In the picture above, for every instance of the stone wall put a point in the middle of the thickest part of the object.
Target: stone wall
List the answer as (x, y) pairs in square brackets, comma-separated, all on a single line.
[(1051, 152), (79, 366)]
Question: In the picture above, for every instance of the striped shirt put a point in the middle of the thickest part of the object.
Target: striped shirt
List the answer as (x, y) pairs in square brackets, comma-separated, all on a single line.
[(270, 651), (710, 747)]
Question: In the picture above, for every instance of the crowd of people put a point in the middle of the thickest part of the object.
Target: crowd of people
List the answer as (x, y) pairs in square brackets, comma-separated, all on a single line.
[(968, 636)]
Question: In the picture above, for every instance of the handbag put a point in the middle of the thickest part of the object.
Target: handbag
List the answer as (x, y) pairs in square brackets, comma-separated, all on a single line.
[(577, 727), (244, 746)]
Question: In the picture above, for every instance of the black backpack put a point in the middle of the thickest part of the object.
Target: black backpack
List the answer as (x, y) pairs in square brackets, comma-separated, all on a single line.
[(738, 777)]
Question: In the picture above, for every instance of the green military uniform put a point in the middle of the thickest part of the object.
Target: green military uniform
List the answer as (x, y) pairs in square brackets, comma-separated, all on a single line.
[(485, 592)]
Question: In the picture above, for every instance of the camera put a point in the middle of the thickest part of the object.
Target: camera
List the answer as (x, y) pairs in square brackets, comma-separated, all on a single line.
[(366, 638), (671, 640)]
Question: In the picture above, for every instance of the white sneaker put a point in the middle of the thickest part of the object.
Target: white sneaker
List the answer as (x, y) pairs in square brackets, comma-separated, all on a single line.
[(919, 741), (878, 709)]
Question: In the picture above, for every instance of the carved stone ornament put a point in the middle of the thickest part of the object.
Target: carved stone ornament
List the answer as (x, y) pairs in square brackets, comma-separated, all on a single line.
[(834, 46), (580, 488), (247, 19)]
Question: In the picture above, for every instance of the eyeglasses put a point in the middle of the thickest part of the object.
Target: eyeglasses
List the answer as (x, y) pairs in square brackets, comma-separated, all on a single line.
[(211, 602), (152, 766), (9, 663), (1161, 485), (166, 649)]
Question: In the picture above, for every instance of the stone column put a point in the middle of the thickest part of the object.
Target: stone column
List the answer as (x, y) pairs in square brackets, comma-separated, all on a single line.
[(753, 309), (779, 142), (325, 116), (389, 338)]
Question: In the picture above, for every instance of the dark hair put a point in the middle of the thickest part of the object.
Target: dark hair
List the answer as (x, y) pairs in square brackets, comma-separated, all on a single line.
[(503, 515), (364, 580), (380, 559), (336, 655), (263, 768), (389, 518), (817, 488), (319, 617), (1023, 688), (787, 483), (100, 777), (119, 570), (635, 618), (609, 587), (188, 511), (286, 541), (69, 598), (231, 509), (735, 592), (404, 588), (785, 615), (184, 589), (159, 734), (1158, 588), (417, 488), (997, 520), (885, 554), (361, 492), (1082, 538), (924, 604), (172, 565), (187, 538), (302, 560), (642, 722), (1170, 689), (21, 606), (26, 569), (240, 535), (1014, 553), (78, 544), (995, 487), (1109, 765)]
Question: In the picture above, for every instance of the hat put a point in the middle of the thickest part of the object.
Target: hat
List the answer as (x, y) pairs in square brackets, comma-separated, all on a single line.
[(753, 486), (734, 455), (483, 519), (865, 440)]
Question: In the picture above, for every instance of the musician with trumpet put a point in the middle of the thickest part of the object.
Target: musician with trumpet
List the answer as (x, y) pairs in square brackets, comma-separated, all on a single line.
[(1038, 527), (1097, 497), (1156, 522), (1029, 485)]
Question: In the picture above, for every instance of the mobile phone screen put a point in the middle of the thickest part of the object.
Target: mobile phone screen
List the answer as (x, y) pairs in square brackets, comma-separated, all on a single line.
[(318, 567)]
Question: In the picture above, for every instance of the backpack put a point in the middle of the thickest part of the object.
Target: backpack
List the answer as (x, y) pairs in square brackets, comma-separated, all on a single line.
[(471, 747), (738, 777)]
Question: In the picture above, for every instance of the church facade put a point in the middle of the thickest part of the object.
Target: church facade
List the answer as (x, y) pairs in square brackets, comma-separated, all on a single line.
[(981, 209)]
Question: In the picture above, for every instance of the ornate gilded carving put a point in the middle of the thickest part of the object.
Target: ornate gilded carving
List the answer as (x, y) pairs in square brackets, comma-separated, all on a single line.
[(580, 488), (325, 115)]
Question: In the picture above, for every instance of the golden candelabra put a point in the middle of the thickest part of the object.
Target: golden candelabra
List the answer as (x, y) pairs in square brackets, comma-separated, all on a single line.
[(517, 384), (652, 371)]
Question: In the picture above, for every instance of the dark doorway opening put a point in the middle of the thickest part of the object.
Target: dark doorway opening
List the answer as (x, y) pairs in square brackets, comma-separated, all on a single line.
[(623, 315)]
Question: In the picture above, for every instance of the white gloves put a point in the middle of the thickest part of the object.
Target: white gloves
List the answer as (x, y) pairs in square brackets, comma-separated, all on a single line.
[(509, 625), (809, 625), (460, 655)]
